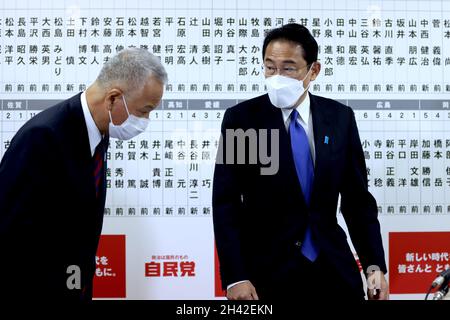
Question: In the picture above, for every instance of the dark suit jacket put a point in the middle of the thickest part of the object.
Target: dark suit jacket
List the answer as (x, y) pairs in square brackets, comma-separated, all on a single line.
[(50, 218), (260, 219)]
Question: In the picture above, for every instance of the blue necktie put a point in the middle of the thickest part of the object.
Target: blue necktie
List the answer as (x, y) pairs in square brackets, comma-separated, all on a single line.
[(305, 173)]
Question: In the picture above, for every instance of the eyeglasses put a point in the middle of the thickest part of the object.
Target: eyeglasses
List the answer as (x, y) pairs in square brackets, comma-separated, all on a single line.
[(271, 70)]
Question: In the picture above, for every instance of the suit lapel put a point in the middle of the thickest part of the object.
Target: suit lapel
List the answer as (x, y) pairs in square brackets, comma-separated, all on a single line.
[(323, 140), (83, 155), (272, 118)]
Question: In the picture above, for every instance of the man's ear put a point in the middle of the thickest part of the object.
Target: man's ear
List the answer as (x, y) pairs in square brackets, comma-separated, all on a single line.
[(315, 70), (111, 96)]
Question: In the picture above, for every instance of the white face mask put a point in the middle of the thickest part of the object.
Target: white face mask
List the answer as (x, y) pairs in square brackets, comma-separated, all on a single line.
[(283, 91), (130, 128)]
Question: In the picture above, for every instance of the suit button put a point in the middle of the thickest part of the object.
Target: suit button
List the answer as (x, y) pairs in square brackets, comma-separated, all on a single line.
[(298, 244)]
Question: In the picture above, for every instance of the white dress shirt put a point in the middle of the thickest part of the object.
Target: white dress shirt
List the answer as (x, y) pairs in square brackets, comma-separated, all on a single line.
[(305, 120), (94, 134)]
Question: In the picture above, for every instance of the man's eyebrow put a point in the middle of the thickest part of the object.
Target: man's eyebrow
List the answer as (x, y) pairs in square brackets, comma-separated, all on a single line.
[(284, 61)]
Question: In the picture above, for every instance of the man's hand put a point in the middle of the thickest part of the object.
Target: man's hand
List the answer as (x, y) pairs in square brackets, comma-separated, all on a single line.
[(377, 286), (242, 291)]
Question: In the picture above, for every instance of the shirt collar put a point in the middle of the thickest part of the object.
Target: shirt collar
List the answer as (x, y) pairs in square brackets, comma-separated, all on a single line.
[(94, 134), (303, 109)]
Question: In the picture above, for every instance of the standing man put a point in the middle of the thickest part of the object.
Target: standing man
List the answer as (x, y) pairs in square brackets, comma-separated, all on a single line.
[(277, 235), (53, 183)]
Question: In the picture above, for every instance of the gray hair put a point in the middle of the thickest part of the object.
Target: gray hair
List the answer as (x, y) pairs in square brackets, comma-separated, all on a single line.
[(130, 69)]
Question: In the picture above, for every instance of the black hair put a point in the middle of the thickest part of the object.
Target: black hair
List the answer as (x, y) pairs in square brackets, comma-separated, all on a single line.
[(296, 33)]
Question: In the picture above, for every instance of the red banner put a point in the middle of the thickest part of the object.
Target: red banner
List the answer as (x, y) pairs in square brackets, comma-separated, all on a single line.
[(110, 273), (415, 259)]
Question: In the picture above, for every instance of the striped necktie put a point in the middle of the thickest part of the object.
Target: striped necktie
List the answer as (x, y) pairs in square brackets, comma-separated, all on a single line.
[(99, 155)]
